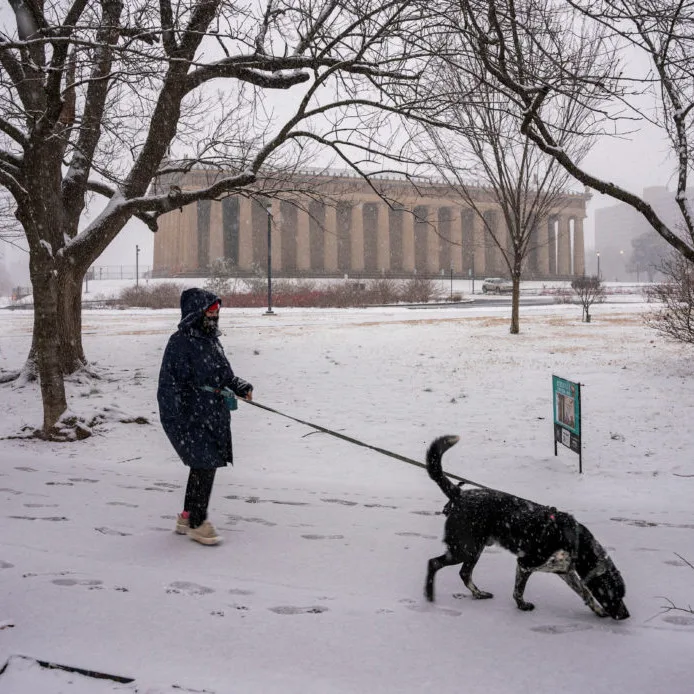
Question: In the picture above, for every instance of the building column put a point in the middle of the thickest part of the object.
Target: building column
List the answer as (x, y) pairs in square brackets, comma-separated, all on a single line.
[(189, 241), (542, 245), (479, 245), (276, 212), (382, 237), (303, 240), (503, 236), (564, 247), (456, 231), (245, 234), (356, 231), (579, 247), (216, 241), (407, 240), (330, 232), (433, 239)]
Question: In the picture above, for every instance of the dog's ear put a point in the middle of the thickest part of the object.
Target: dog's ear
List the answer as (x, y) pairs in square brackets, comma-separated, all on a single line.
[(569, 529)]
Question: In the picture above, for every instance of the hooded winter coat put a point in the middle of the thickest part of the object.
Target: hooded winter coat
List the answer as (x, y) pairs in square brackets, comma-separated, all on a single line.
[(196, 421)]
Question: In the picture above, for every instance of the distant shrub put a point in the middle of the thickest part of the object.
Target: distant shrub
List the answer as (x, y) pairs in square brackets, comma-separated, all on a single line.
[(383, 291), (251, 292), (419, 290), (223, 279), (157, 295)]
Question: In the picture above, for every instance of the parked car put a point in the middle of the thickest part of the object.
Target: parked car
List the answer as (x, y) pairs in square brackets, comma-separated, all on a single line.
[(496, 285)]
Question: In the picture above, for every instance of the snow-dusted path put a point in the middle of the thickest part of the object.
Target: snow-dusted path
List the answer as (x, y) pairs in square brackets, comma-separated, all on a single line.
[(318, 585)]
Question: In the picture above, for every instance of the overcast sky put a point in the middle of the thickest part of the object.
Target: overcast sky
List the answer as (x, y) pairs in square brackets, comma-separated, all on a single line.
[(634, 162)]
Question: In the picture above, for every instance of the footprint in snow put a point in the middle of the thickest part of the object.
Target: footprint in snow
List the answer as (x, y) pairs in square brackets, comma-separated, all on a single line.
[(240, 591), (343, 502), (560, 628), (290, 609), (428, 608), (234, 519), (91, 584), (5, 565), (186, 588), (679, 620), (323, 537), (111, 531)]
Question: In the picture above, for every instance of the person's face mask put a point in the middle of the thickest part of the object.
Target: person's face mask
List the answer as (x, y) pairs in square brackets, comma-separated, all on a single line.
[(210, 322)]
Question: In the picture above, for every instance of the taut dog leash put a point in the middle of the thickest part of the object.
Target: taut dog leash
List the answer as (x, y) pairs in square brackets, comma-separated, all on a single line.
[(350, 439)]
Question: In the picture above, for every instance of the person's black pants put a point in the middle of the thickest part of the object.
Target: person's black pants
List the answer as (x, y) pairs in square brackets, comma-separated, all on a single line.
[(198, 493)]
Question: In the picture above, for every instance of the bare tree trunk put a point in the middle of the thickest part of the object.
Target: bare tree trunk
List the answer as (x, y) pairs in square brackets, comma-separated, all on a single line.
[(46, 340), (70, 321), (515, 296)]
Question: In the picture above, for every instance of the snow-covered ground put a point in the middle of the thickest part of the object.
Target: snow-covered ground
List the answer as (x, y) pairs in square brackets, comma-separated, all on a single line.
[(317, 587)]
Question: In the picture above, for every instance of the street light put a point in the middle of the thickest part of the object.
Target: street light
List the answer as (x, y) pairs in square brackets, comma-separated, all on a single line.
[(268, 210), (598, 254), (137, 266)]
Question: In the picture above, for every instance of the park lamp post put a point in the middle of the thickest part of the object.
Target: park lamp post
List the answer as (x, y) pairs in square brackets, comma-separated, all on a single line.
[(598, 254), (137, 266), (268, 209)]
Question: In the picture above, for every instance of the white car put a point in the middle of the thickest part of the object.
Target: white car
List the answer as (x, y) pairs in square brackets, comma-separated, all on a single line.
[(496, 285)]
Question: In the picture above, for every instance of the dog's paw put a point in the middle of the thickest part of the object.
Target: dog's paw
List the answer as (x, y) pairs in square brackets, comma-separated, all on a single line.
[(525, 606), (482, 595)]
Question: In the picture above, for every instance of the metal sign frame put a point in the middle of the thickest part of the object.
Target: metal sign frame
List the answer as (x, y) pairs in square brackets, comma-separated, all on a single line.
[(566, 404)]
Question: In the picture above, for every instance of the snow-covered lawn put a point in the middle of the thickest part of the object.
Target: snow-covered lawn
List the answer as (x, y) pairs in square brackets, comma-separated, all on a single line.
[(317, 587)]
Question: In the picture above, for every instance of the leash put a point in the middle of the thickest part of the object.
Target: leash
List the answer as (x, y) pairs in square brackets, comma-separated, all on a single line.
[(357, 442)]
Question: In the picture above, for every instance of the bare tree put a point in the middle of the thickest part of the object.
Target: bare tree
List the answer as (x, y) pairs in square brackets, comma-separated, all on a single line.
[(671, 606), (482, 143), (621, 96), (589, 290), (647, 254), (674, 314), (99, 99)]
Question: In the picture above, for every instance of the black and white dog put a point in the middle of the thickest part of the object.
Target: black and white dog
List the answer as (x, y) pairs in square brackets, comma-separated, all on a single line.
[(542, 538)]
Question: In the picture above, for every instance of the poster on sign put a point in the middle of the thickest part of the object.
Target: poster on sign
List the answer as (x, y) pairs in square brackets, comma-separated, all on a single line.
[(566, 400)]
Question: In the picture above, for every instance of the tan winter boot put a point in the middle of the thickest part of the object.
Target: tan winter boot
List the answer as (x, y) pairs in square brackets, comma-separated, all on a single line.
[(182, 525), (205, 534)]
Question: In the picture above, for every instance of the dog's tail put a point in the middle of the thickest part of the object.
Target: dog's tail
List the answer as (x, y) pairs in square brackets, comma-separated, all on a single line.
[(436, 450)]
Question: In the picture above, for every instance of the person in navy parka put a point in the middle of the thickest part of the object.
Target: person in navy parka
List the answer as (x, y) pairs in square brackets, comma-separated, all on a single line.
[(197, 420)]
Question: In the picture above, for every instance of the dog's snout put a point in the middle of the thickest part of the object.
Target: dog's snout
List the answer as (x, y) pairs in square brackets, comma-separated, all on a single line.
[(622, 612)]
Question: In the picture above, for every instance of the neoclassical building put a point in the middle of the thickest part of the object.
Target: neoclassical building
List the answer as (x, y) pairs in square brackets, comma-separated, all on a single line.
[(348, 229)]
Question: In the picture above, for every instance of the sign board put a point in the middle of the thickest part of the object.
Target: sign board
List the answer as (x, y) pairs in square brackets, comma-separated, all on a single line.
[(566, 401)]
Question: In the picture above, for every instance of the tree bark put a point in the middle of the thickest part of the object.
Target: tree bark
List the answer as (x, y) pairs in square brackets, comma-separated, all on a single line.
[(70, 321), (515, 296), (46, 340)]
